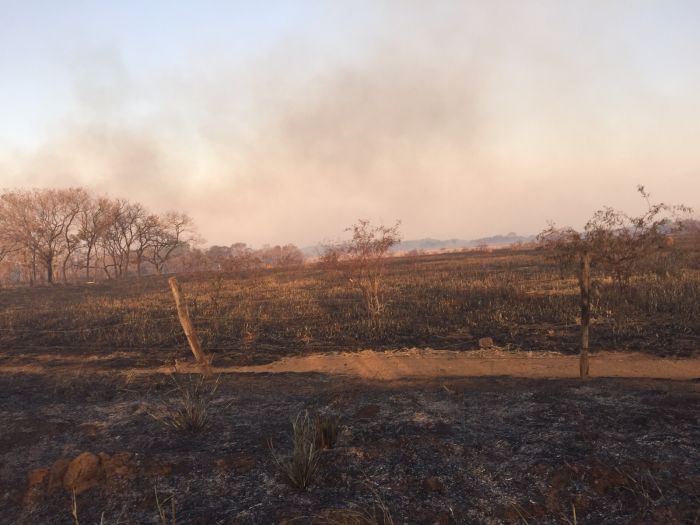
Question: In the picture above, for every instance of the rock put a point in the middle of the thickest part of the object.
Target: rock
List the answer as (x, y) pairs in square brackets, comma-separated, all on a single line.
[(486, 342), (83, 473), (433, 484)]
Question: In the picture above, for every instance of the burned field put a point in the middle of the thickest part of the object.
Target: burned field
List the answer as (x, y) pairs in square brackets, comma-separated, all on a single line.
[(78, 417), (481, 450), (445, 301)]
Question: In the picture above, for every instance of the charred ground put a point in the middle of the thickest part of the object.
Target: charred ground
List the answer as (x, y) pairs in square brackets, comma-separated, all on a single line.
[(479, 450)]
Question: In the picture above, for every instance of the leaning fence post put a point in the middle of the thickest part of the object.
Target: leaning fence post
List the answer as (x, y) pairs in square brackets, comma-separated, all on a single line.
[(186, 322)]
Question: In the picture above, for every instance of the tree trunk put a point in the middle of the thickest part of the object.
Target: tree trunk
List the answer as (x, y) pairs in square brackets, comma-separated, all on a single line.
[(87, 263), (585, 284), (32, 278), (64, 269), (49, 270), (126, 264)]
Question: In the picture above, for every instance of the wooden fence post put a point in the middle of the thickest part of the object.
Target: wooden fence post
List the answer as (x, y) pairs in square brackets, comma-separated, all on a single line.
[(186, 322), (585, 283)]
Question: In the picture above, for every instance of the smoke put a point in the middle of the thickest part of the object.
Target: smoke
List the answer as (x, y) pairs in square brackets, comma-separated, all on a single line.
[(461, 120)]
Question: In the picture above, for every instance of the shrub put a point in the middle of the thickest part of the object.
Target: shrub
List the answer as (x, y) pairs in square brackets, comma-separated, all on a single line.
[(188, 408)]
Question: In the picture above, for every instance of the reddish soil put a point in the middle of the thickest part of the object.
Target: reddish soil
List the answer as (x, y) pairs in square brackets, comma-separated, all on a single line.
[(436, 363), (400, 364)]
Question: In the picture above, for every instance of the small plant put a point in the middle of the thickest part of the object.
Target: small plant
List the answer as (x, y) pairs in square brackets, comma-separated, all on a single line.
[(162, 513), (301, 467), (188, 408), (326, 430), (74, 509)]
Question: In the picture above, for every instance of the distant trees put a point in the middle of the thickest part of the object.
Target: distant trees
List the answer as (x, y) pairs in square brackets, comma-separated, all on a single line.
[(363, 259), (240, 256), (46, 231), (615, 242)]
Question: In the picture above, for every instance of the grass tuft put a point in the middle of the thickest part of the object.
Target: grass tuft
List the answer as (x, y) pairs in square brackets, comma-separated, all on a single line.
[(300, 469), (187, 409)]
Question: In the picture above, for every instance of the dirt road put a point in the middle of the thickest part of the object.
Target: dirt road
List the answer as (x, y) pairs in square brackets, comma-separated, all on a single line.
[(423, 363), (390, 365)]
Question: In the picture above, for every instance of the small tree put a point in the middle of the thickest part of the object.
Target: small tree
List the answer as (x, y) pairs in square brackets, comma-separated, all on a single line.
[(617, 243), (363, 260), (621, 242)]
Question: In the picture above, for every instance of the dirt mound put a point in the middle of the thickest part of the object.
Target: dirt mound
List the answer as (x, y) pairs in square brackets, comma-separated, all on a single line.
[(85, 471)]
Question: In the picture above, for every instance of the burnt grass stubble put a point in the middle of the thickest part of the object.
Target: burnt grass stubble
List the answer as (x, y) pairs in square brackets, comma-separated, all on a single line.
[(480, 450)]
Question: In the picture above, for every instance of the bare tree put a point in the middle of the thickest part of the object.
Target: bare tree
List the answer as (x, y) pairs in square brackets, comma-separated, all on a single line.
[(75, 200), (617, 243), (40, 222), (175, 231), (363, 260), (121, 237), (148, 232), (94, 221), (9, 241), (621, 242)]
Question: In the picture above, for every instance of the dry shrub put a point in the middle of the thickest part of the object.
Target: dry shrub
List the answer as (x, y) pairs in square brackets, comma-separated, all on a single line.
[(188, 409)]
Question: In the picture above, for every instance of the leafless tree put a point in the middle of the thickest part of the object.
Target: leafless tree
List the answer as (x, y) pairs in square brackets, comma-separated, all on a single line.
[(94, 221), (121, 237), (621, 242), (174, 231), (40, 221), (75, 200), (9, 242), (148, 232), (614, 241), (363, 260)]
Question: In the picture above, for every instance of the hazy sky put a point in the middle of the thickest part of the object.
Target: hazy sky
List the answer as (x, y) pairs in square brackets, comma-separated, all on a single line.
[(285, 121)]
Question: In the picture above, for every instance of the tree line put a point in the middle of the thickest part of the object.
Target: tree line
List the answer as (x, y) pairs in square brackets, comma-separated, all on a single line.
[(48, 235)]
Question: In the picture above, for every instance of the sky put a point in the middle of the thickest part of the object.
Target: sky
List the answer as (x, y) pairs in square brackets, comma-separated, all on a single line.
[(286, 121)]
